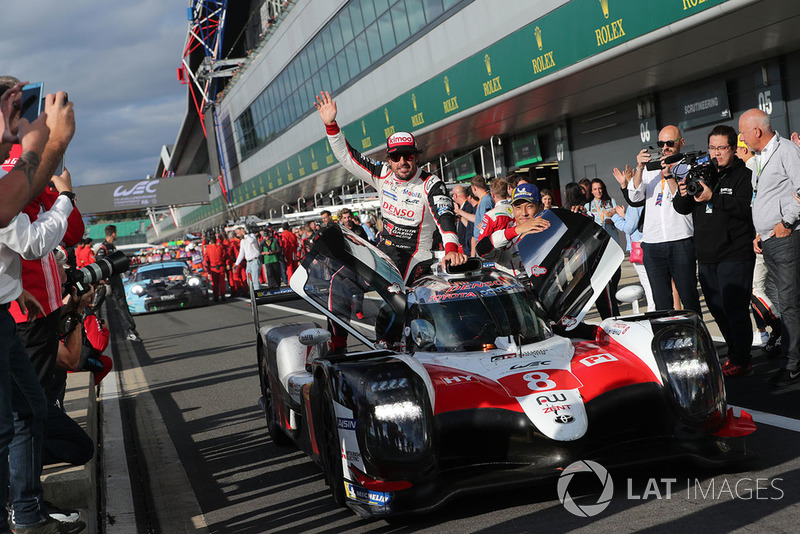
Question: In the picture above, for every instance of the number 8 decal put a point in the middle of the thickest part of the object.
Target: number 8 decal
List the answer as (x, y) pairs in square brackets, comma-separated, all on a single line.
[(539, 381)]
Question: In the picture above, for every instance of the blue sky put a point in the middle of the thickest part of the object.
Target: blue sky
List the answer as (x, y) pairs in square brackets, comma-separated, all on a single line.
[(117, 62)]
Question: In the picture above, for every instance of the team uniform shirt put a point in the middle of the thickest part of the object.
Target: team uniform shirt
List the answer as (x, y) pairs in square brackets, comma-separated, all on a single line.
[(497, 219), (662, 223), (413, 210)]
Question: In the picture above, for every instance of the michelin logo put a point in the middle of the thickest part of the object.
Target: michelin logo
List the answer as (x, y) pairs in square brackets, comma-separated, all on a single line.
[(357, 493)]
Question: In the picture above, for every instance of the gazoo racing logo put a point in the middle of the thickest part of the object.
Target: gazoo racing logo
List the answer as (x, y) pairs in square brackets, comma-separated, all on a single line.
[(146, 186)]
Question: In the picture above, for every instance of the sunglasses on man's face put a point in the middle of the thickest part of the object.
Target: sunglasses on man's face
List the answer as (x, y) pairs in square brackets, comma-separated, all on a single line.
[(669, 143), (409, 156)]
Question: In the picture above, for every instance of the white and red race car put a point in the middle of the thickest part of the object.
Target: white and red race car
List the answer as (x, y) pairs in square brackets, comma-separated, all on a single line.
[(475, 379)]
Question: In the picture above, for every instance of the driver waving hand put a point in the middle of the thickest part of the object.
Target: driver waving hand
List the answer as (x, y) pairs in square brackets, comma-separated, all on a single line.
[(414, 203)]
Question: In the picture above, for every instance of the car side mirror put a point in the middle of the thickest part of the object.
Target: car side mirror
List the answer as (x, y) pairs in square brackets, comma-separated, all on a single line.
[(423, 334)]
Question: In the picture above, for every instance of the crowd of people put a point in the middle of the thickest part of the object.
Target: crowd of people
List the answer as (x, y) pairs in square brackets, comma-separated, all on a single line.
[(43, 319), (733, 234)]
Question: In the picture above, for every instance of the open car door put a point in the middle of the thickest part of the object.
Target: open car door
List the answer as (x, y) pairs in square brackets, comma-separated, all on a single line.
[(569, 264), (343, 275)]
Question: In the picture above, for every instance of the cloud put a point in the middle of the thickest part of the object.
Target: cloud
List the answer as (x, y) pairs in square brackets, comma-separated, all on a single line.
[(117, 62)]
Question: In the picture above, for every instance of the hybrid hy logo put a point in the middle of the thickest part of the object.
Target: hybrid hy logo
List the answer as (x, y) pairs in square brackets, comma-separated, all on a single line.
[(586, 510)]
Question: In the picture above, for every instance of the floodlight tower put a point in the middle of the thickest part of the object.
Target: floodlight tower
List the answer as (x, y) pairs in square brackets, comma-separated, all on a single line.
[(203, 67)]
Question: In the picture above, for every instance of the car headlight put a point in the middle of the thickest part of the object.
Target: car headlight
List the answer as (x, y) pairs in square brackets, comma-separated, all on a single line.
[(692, 374), (137, 289), (193, 281), (396, 428)]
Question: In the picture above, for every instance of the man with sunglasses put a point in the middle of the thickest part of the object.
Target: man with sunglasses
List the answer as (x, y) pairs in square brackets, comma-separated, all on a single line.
[(414, 203), (667, 242)]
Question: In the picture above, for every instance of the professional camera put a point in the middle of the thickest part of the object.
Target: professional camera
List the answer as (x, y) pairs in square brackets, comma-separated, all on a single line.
[(695, 167), (116, 263)]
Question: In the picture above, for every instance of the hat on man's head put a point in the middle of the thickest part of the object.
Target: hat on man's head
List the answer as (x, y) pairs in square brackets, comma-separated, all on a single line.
[(527, 193), (401, 142)]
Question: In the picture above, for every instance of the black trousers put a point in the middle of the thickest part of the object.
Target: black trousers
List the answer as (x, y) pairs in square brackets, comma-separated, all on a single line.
[(727, 287), (41, 342)]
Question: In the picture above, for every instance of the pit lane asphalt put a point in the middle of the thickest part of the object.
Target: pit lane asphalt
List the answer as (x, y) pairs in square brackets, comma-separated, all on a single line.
[(198, 375)]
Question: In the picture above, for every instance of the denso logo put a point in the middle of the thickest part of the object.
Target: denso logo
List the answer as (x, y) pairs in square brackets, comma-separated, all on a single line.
[(147, 186), (391, 209)]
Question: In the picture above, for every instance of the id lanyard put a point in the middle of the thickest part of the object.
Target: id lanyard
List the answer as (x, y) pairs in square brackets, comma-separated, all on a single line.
[(660, 197), (599, 211), (758, 175)]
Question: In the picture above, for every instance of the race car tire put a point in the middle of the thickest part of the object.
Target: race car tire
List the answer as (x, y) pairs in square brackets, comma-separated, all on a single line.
[(275, 432), (330, 454)]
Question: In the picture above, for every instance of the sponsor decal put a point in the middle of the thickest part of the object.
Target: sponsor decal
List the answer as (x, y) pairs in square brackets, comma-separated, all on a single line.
[(569, 321), (443, 204), (563, 419), (459, 379), (168, 296), (597, 358), (538, 270), (403, 213), (555, 409), (352, 456), (506, 357), (618, 328), (411, 193), (536, 363), (357, 493), (346, 424), (557, 397), (390, 194)]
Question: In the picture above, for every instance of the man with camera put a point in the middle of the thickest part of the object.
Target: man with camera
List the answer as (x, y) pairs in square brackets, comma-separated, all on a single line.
[(667, 235), (105, 249), (775, 217), (723, 233)]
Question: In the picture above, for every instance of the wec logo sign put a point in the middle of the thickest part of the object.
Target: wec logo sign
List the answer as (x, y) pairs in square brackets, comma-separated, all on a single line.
[(143, 187)]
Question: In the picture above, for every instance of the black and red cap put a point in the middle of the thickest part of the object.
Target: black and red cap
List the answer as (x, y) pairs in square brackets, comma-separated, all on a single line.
[(401, 142)]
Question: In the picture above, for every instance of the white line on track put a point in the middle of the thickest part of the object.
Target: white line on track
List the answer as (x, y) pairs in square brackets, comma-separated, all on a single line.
[(787, 423)]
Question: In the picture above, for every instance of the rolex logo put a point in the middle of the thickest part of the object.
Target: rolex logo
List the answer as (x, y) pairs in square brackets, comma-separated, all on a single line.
[(538, 33), (364, 127), (488, 61), (604, 5), (386, 114), (447, 85), (414, 99)]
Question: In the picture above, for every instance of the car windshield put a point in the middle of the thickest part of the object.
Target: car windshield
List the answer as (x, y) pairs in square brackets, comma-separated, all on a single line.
[(164, 272), (469, 316)]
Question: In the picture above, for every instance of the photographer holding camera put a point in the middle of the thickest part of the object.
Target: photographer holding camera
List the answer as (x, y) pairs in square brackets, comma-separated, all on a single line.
[(723, 236), (666, 234), (106, 249)]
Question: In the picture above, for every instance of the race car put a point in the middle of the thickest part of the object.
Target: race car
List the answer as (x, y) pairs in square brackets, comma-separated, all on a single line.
[(166, 285), (473, 379)]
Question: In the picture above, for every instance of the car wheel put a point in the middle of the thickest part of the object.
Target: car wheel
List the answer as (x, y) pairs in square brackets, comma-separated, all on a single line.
[(275, 432), (330, 453)]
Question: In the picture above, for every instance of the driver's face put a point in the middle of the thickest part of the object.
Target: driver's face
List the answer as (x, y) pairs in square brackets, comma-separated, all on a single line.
[(524, 211), (403, 164), (345, 219)]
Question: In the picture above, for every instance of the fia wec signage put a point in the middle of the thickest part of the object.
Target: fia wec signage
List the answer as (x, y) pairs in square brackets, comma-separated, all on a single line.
[(138, 194)]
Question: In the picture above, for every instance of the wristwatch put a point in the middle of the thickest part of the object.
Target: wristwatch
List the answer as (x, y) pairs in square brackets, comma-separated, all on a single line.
[(786, 224), (70, 195)]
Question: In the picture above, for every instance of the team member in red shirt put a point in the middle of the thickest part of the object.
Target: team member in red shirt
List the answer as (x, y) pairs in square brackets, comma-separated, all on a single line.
[(288, 244), (216, 264)]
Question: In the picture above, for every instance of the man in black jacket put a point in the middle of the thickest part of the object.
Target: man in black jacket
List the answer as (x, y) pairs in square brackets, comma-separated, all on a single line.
[(723, 237), (107, 248)]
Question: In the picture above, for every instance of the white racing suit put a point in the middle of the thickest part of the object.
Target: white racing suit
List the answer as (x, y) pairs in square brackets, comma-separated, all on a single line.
[(412, 210)]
